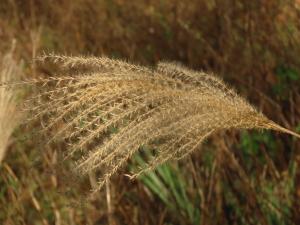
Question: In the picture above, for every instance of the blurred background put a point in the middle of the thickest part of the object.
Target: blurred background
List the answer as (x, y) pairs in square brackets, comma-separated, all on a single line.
[(238, 177)]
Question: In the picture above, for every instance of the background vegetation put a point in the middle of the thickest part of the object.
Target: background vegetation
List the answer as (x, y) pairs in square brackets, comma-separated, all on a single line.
[(237, 178)]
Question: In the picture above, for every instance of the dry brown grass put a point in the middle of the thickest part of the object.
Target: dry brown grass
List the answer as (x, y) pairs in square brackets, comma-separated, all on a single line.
[(9, 70), (106, 109), (242, 41)]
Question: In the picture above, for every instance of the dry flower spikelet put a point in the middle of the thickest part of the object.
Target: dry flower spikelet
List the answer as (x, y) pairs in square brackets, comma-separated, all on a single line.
[(107, 109), (9, 71)]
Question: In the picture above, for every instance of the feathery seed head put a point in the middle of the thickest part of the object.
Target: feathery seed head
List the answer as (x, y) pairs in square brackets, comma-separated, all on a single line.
[(106, 109)]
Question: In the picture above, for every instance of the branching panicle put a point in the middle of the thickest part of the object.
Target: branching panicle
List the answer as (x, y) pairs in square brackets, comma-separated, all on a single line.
[(108, 108)]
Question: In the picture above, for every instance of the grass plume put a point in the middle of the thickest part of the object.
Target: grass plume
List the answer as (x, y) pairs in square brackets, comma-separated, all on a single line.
[(106, 109), (9, 71)]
